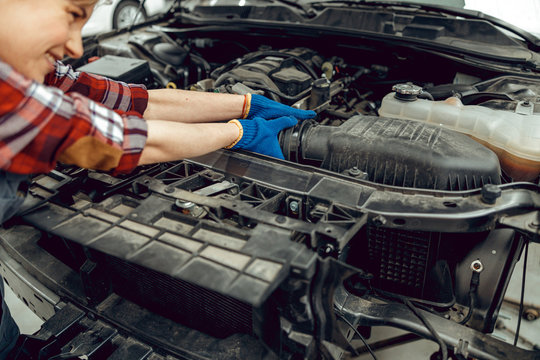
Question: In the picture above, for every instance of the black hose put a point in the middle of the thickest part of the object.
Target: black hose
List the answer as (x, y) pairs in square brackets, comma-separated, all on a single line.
[(426, 95)]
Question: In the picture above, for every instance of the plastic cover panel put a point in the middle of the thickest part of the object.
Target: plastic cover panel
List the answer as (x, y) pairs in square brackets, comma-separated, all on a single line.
[(239, 238)]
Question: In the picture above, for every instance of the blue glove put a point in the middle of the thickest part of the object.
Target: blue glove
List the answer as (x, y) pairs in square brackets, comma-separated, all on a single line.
[(260, 135), (259, 106)]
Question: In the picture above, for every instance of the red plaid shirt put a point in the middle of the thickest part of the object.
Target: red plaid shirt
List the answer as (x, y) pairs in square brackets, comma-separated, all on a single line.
[(74, 117)]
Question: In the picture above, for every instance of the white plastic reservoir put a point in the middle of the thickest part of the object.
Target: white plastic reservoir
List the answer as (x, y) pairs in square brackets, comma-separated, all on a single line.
[(513, 136)]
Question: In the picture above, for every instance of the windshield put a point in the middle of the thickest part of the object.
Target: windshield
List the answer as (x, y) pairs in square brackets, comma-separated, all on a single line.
[(525, 16)]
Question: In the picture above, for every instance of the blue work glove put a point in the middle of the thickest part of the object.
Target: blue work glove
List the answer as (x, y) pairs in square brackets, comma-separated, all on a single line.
[(259, 106), (261, 136)]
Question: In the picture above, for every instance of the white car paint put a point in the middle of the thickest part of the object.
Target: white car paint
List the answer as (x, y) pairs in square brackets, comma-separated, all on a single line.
[(102, 17)]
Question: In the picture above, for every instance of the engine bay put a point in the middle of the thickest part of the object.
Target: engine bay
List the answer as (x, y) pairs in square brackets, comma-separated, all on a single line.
[(367, 204), (339, 80)]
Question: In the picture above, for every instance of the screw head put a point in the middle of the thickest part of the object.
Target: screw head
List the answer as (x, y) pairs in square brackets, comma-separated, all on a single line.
[(477, 266), (293, 206), (490, 193), (379, 220)]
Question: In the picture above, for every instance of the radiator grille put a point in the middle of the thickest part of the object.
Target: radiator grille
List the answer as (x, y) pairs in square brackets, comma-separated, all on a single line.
[(400, 260), (191, 305)]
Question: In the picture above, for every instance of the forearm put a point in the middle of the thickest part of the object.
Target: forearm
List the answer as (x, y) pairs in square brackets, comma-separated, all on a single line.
[(169, 141), (192, 106)]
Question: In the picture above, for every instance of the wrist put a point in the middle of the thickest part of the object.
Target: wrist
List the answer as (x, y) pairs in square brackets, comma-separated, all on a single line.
[(246, 106), (240, 133)]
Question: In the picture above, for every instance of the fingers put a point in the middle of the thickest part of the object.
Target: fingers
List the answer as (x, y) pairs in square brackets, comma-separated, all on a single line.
[(283, 122), (303, 114)]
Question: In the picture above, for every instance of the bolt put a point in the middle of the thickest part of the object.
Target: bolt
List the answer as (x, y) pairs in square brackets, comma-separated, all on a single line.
[(326, 249), (531, 314), (281, 219), (293, 205), (490, 193), (169, 189), (354, 171), (379, 220), (477, 266)]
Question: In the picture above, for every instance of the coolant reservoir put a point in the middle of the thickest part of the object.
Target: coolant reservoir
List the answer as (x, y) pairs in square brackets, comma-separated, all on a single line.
[(513, 136)]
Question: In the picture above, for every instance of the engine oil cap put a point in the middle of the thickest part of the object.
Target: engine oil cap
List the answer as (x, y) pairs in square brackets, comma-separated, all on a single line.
[(407, 91)]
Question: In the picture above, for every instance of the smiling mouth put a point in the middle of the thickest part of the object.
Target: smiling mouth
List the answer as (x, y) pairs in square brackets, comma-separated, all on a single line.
[(51, 58)]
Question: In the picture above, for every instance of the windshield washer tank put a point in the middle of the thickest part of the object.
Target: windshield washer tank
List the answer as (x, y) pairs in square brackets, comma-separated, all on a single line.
[(513, 136)]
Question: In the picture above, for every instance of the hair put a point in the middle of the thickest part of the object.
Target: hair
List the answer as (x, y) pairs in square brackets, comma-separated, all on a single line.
[(85, 2)]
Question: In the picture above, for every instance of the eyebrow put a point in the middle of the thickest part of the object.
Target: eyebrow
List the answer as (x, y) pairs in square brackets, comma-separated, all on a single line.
[(82, 5)]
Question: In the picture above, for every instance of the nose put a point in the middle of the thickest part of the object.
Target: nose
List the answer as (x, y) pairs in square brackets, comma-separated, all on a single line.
[(74, 46)]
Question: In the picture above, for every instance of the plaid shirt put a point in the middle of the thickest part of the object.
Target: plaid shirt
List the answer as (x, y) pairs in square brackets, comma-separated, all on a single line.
[(65, 120)]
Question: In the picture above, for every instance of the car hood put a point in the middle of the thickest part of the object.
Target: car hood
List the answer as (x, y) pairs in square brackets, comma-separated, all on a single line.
[(440, 27)]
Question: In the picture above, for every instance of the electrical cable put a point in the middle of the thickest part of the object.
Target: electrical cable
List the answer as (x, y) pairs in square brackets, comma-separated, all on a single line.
[(522, 291), (473, 288), (432, 330), (359, 335), (427, 324), (471, 307)]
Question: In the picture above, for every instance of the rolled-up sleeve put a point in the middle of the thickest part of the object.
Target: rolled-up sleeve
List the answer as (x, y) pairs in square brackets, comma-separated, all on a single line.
[(42, 125), (115, 95)]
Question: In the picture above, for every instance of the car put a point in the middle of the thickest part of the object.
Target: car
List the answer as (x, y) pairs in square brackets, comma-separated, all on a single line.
[(406, 202), (109, 15)]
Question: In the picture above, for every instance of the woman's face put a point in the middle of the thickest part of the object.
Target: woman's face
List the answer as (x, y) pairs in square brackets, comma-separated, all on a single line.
[(36, 33)]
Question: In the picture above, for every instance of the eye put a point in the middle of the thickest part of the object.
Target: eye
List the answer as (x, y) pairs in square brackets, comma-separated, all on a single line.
[(77, 13)]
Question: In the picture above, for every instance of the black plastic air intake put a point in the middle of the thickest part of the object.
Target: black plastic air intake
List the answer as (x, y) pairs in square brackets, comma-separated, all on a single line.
[(394, 152)]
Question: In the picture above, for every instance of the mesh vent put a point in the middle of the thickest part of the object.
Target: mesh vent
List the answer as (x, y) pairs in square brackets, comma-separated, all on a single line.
[(400, 259), (191, 305)]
